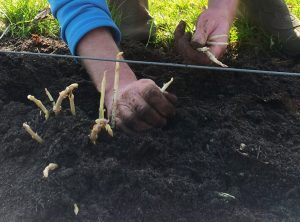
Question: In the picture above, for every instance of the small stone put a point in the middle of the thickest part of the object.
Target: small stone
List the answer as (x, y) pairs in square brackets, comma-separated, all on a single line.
[(242, 146)]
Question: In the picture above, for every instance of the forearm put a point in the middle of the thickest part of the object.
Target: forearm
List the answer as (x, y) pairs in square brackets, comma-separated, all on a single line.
[(228, 6), (99, 43)]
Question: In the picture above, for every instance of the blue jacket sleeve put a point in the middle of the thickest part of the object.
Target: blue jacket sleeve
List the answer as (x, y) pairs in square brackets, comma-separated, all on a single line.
[(78, 17)]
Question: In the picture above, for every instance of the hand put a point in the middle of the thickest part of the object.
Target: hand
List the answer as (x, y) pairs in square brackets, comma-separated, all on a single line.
[(141, 106), (213, 27), (184, 47)]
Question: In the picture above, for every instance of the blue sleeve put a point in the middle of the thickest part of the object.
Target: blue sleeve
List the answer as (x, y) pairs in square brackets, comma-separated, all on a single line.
[(78, 17)]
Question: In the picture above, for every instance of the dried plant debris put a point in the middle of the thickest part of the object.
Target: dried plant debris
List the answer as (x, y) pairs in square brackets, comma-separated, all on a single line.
[(43, 14), (50, 167), (33, 135)]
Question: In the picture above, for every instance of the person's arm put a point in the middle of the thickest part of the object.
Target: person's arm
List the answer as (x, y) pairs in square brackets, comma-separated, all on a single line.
[(99, 43), (79, 17), (141, 105), (228, 6), (88, 29)]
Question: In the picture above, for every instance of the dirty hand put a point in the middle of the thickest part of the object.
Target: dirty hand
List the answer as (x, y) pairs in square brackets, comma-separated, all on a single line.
[(141, 106), (211, 30)]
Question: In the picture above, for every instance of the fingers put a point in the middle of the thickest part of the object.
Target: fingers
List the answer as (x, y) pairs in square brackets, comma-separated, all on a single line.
[(178, 34), (193, 56), (204, 28), (180, 30), (219, 35), (156, 99), (142, 106), (218, 51), (172, 98), (123, 127), (129, 121), (186, 48)]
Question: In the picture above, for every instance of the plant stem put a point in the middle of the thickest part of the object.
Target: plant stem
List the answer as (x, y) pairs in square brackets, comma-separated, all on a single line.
[(166, 85), (102, 96), (116, 90), (50, 167), (40, 105), (72, 104), (50, 97), (34, 135), (62, 96), (211, 56)]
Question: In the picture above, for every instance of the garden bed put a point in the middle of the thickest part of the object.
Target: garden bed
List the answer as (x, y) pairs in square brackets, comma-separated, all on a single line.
[(232, 152)]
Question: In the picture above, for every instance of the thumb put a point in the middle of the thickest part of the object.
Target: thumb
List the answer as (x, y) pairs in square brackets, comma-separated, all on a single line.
[(180, 30)]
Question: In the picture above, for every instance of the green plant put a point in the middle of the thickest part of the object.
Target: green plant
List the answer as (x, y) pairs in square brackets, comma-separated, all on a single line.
[(19, 16), (115, 12)]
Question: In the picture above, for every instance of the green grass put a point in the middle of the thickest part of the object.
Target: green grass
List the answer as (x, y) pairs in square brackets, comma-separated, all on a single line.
[(115, 13), (19, 15), (167, 14)]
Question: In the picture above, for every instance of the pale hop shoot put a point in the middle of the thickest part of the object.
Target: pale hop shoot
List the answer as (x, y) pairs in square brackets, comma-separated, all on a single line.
[(116, 90), (40, 105), (64, 94), (101, 123), (211, 56), (33, 135), (50, 167), (50, 97), (166, 85), (76, 209)]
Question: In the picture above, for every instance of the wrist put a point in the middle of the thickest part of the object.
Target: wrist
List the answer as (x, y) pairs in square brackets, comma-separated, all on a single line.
[(127, 77), (99, 43), (226, 7)]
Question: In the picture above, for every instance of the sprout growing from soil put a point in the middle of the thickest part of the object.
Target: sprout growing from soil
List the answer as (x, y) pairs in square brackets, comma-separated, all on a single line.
[(40, 105), (211, 56), (50, 167), (34, 135), (72, 104), (64, 94), (101, 123), (50, 97), (102, 96), (166, 85), (76, 209), (116, 90)]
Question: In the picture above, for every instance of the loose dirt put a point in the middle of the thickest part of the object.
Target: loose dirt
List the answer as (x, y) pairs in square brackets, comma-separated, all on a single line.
[(232, 152)]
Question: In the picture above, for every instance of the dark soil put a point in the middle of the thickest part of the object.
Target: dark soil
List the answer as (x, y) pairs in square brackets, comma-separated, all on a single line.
[(194, 169)]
